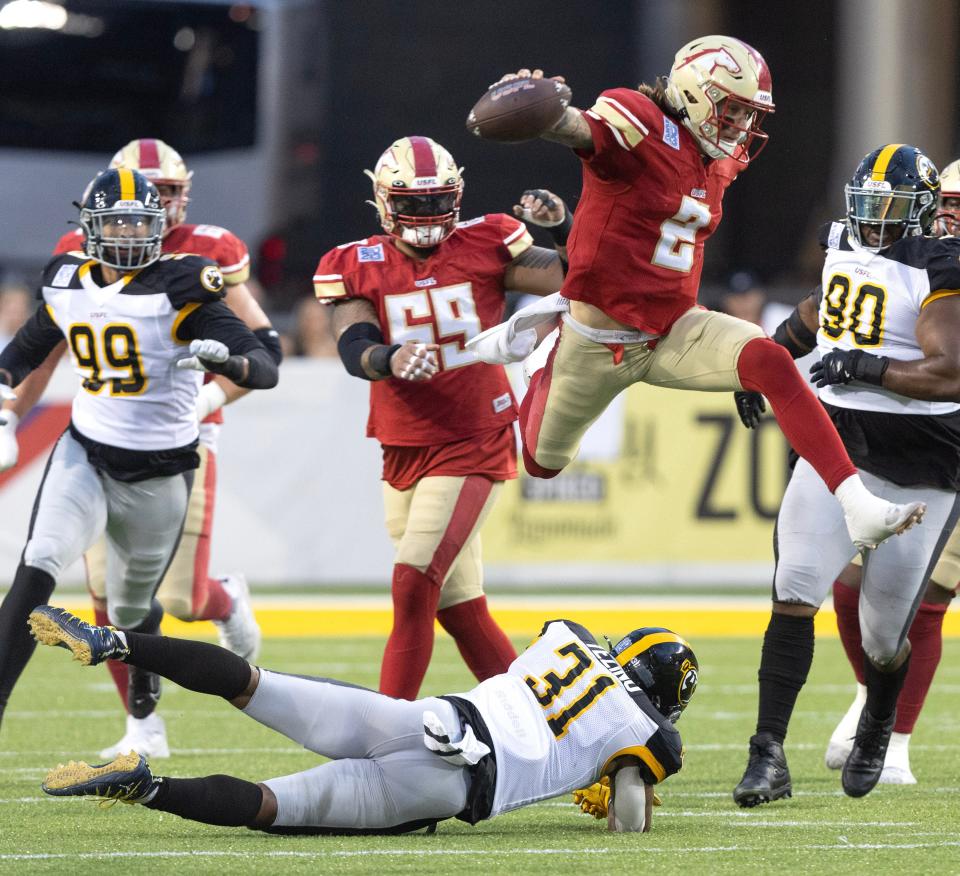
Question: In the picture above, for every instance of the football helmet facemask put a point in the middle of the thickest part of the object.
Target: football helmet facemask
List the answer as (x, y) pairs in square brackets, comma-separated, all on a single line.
[(948, 217), (664, 666), (163, 166), (122, 220), (417, 188), (894, 193), (722, 90)]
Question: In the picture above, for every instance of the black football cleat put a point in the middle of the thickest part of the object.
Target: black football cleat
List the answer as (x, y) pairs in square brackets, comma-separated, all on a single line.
[(767, 777), (126, 779), (861, 772), (88, 644)]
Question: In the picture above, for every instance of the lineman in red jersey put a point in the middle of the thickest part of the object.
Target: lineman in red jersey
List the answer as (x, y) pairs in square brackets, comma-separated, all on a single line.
[(405, 304), (188, 592), (656, 161)]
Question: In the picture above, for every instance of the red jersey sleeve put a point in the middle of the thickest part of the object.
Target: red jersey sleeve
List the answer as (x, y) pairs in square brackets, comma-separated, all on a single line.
[(69, 242), (515, 238), (332, 278), (620, 121), (212, 242)]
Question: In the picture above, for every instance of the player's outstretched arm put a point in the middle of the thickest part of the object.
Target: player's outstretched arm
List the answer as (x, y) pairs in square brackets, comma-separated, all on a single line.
[(572, 130), (536, 270), (364, 354)]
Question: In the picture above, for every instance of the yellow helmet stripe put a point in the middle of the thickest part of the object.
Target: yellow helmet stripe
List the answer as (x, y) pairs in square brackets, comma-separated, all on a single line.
[(646, 643), (883, 161), (128, 187)]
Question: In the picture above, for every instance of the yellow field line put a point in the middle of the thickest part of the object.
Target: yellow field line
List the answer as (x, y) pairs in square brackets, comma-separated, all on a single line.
[(295, 620)]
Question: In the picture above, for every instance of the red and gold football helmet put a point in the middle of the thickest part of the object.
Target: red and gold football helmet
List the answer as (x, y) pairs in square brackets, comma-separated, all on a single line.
[(948, 216), (417, 188), (721, 88), (163, 166)]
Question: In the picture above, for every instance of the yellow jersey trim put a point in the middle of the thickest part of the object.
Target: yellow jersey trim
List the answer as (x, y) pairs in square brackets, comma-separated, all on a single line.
[(642, 752), (936, 296), (185, 311)]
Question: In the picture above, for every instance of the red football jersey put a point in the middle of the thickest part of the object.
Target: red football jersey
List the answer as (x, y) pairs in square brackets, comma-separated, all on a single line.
[(446, 299), (210, 241), (648, 204)]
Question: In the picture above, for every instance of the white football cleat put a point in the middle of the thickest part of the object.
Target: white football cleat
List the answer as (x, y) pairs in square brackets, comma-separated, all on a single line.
[(841, 740), (146, 736), (872, 520), (239, 632), (538, 358), (896, 765)]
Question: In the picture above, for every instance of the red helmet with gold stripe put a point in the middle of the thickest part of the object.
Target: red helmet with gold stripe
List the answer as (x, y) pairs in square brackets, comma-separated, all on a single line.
[(664, 666)]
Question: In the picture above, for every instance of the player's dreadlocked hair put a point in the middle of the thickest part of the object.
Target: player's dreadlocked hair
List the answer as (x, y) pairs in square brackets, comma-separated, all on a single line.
[(658, 94)]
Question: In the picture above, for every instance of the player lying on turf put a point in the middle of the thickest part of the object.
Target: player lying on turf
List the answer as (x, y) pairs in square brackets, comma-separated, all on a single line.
[(567, 713)]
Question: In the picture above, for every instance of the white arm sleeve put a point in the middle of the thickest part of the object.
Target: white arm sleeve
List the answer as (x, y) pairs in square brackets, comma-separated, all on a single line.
[(628, 804)]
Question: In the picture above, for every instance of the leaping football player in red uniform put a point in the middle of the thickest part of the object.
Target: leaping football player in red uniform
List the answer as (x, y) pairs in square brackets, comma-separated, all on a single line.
[(405, 303), (188, 592), (656, 162)]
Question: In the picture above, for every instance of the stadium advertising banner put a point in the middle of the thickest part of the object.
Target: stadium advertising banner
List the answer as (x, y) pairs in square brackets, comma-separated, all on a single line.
[(669, 487)]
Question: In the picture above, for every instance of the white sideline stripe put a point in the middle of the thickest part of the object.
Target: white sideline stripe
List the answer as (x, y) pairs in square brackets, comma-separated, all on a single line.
[(485, 853)]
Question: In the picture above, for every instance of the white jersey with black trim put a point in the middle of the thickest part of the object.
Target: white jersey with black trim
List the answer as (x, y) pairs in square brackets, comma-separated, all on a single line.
[(560, 714), (123, 346), (872, 301)]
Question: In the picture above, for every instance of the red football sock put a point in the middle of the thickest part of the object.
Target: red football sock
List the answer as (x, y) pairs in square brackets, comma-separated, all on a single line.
[(484, 646), (926, 641), (211, 601), (846, 603), (766, 367), (117, 670), (407, 655)]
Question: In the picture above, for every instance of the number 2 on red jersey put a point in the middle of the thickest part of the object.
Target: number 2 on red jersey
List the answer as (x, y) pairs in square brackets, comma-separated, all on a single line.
[(444, 315)]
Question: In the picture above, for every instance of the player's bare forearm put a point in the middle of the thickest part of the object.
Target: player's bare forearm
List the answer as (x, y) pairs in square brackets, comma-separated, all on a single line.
[(32, 387), (572, 130), (350, 312), (241, 301), (537, 271), (230, 389), (935, 377)]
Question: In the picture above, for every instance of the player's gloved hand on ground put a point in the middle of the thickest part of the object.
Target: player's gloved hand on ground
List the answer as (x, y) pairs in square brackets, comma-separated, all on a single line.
[(210, 355), (750, 407), (467, 751), (844, 366), (415, 361), (594, 800)]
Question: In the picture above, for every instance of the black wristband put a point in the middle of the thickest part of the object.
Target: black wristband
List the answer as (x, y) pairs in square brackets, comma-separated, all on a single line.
[(232, 369), (270, 338), (380, 357), (561, 232), (869, 368)]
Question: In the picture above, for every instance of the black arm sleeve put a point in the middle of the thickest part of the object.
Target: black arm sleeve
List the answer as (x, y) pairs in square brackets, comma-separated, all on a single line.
[(30, 346), (216, 321)]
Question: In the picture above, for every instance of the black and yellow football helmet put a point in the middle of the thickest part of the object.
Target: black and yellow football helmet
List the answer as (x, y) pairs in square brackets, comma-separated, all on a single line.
[(122, 220), (664, 666), (893, 194)]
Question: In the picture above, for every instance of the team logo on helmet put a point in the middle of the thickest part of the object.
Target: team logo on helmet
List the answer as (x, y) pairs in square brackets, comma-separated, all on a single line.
[(688, 682), (709, 59), (927, 171)]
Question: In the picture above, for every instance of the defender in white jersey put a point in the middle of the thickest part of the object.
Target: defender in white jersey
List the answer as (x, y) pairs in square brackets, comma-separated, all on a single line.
[(139, 327), (566, 713), (888, 329)]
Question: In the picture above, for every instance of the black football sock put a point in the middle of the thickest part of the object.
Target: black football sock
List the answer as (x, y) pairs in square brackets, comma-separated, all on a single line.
[(883, 688), (31, 587), (221, 800), (197, 666), (784, 663), (143, 687)]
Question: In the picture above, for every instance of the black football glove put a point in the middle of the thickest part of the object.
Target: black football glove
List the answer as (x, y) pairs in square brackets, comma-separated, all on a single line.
[(844, 366), (750, 406)]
